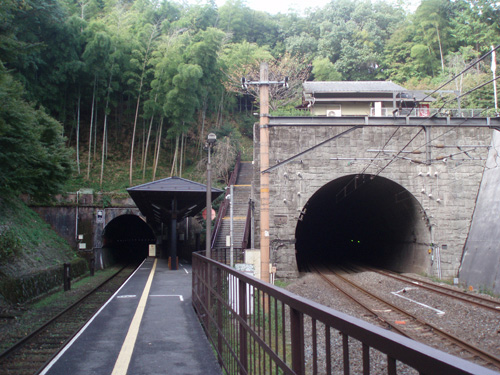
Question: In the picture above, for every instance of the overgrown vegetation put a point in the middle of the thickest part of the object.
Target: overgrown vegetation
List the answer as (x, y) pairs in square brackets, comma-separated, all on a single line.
[(107, 94), (136, 85), (24, 234), (32, 315)]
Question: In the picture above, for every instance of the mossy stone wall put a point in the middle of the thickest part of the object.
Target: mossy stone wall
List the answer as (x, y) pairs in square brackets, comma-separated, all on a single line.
[(23, 288)]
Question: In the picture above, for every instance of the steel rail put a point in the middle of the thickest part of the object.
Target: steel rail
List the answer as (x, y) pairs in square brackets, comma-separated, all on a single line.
[(488, 357), (456, 294), (25, 340), (365, 306)]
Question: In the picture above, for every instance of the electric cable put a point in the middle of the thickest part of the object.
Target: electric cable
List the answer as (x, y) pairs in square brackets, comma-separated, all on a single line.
[(396, 156), (423, 145), (383, 147), (471, 65)]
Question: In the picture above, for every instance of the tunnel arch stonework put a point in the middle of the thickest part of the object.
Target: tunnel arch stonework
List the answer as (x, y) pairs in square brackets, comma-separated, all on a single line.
[(363, 219), (446, 188)]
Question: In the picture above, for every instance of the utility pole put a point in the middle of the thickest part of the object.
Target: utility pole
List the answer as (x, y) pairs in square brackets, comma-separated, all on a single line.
[(211, 139), (264, 177), (264, 164), (231, 225), (494, 69)]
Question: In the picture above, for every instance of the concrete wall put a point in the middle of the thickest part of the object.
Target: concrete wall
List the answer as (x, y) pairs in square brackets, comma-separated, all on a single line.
[(481, 259), (87, 218), (347, 109), (447, 189)]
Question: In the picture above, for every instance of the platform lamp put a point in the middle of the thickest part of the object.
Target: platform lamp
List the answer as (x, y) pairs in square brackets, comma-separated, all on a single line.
[(211, 139)]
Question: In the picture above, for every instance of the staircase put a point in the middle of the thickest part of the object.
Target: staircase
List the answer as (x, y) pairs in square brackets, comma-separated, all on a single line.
[(241, 191)]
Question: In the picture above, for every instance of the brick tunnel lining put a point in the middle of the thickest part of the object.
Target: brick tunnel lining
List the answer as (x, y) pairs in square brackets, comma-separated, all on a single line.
[(363, 219), (128, 237)]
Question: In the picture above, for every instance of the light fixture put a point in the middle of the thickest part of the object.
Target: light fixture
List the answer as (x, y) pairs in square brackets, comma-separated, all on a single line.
[(211, 138)]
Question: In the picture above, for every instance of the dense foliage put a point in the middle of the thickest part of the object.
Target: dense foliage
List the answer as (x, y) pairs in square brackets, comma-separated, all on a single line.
[(141, 77)]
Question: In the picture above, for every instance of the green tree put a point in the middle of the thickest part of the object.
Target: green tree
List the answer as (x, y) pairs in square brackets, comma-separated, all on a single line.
[(472, 25), (140, 60), (432, 19), (353, 36), (397, 63), (323, 70), (33, 156)]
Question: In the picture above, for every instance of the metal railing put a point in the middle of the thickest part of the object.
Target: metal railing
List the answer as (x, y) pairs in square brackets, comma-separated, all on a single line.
[(246, 233), (426, 112), (257, 328), (223, 255), (225, 203)]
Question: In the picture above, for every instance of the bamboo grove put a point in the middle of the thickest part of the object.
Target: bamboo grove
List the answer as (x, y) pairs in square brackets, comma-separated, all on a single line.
[(83, 81)]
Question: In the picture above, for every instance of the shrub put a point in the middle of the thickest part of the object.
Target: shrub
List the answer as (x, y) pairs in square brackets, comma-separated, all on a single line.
[(9, 243)]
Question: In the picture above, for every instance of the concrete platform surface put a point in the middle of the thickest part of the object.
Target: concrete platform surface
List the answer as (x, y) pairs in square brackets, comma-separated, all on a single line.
[(148, 327)]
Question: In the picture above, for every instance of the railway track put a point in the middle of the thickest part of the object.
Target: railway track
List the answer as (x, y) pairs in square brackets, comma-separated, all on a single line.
[(476, 300), (29, 355), (406, 323)]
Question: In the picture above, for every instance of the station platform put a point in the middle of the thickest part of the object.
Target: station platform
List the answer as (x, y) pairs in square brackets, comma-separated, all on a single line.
[(147, 327)]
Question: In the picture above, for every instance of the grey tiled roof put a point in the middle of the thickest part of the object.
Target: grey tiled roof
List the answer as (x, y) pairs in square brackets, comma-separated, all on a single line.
[(351, 86), (160, 200), (172, 184)]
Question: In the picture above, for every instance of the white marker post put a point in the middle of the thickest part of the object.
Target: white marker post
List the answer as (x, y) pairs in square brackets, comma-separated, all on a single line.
[(494, 69)]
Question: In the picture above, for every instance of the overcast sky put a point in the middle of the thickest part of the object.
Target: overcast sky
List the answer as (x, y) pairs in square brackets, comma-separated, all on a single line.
[(276, 6)]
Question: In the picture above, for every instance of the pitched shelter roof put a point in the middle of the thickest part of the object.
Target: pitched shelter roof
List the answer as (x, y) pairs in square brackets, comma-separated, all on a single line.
[(358, 89), (352, 86), (160, 200)]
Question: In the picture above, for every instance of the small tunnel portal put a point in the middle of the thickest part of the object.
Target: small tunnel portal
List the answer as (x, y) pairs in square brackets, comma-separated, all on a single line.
[(363, 219), (128, 237)]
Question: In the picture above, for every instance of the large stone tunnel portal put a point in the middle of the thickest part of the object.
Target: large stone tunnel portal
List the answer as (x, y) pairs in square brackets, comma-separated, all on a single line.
[(363, 219), (128, 237)]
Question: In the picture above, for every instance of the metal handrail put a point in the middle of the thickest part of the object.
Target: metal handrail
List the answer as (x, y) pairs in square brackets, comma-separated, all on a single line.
[(246, 233), (225, 204), (257, 328), (223, 255)]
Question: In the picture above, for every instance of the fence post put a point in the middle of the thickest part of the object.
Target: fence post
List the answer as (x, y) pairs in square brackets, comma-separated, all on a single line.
[(297, 337), (67, 276), (207, 294), (242, 305), (195, 282), (219, 316), (92, 265)]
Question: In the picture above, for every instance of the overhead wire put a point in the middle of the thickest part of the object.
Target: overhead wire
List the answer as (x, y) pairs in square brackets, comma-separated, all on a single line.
[(439, 110), (434, 115), (424, 144), (471, 65), (382, 149)]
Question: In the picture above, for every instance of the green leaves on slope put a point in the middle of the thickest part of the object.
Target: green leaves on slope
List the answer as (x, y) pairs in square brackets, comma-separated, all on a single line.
[(33, 156)]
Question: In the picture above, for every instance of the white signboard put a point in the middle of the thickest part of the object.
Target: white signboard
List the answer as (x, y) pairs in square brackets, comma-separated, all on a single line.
[(152, 250)]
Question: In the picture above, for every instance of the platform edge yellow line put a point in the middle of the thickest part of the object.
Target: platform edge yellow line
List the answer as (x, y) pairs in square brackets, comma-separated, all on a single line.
[(123, 360)]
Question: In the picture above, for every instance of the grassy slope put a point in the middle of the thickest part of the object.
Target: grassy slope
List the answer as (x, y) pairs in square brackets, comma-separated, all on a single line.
[(27, 243)]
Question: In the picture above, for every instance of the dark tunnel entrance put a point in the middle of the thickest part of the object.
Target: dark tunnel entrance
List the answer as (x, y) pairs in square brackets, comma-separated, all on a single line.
[(128, 237), (363, 219)]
